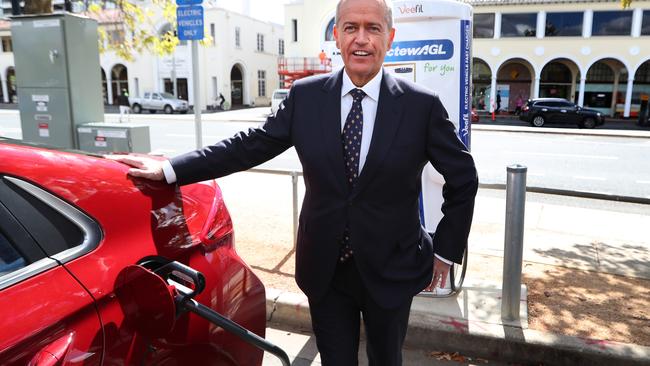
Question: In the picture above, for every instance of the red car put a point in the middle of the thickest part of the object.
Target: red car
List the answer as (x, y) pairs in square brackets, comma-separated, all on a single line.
[(72, 229)]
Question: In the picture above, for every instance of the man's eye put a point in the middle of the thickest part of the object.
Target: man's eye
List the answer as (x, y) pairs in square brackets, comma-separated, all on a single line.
[(349, 28)]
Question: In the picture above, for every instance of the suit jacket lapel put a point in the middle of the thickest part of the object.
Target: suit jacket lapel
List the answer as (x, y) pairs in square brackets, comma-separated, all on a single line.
[(387, 121), (330, 122)]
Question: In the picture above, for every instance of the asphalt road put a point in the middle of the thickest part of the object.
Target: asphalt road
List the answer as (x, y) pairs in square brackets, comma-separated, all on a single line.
[(599, 164)]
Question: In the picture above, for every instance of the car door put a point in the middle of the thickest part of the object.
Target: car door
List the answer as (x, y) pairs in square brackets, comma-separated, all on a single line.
[(567, 113), (48, 317), (157, 101)]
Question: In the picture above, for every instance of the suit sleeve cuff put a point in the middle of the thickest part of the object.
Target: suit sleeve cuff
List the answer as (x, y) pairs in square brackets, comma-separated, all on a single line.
[(446, 261), (168, 171)]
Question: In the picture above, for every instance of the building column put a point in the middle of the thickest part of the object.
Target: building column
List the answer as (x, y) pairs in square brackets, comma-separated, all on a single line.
[(587, 22), (581, 93), (190, 74), (572, 97), (493, 94), (497, 25), (628, 97), (617, 78), (109, 87), (536, 90), (541, 24), (5, 91), (637, 16)]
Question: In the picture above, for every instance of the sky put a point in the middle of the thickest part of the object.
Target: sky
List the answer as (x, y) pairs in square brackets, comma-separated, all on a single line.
[(267, 10)]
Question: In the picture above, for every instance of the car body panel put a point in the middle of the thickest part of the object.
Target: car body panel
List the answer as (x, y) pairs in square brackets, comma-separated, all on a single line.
[(278, 96), (138, 219)]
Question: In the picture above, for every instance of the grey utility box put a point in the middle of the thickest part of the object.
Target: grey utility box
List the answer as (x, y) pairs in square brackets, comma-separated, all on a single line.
[(58, 76), (114, 137)]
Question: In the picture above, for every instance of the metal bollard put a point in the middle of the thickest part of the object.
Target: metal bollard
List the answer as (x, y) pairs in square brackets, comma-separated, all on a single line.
[(514, 241), (294, 181)]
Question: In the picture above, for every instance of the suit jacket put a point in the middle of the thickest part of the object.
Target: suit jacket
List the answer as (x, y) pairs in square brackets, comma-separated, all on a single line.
[(393, 254)]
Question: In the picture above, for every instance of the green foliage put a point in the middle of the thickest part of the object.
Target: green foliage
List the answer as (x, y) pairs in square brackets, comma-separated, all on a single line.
[(131, 29), (626, 3)]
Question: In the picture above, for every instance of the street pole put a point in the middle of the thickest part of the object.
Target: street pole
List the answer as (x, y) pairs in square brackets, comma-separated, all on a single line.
[(197, 96)]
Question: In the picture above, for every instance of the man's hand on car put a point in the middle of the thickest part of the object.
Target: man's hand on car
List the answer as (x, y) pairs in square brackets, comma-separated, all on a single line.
[(142, 167)]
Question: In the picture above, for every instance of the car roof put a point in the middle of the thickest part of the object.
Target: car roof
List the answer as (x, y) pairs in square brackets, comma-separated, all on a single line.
[(549, 100)]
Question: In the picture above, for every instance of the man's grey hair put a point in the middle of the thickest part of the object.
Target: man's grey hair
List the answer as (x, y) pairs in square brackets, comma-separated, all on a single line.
[(388, 13)]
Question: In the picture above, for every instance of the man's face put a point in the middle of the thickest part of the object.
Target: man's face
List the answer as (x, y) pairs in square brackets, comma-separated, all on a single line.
[(363, 37)]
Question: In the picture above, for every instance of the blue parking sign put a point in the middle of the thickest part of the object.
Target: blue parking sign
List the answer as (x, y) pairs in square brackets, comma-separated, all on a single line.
[(190, 22)]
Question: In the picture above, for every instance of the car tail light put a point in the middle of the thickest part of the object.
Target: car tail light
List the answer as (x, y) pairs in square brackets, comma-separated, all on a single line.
[(218, 230), (525, 109)]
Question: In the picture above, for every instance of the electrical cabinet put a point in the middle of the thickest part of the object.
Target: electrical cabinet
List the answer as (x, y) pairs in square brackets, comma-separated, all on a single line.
[(58, 76), (114, 137)]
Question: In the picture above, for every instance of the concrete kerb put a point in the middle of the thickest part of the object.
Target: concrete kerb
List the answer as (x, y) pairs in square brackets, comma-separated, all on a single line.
[(473, 338), (563, 131)]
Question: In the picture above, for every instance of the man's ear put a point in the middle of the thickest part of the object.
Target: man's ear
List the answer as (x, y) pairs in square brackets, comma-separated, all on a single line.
[(336, 36), (391, 36)]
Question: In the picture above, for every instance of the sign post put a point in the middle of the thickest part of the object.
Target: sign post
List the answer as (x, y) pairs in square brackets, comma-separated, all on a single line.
[(189, 16)]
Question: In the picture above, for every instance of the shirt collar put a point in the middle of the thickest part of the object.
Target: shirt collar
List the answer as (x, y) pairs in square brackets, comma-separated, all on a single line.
[(371, 88)]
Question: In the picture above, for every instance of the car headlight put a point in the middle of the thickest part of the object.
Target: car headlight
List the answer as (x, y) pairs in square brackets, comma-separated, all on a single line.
[(598, 114)]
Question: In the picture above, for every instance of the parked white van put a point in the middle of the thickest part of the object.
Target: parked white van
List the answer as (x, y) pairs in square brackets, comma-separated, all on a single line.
[(277, 98)]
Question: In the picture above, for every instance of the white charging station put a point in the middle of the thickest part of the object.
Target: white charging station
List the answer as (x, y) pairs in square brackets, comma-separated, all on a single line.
[(432, 47)]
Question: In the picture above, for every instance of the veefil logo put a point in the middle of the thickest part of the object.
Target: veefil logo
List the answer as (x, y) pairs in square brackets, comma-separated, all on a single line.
[(432, 49)]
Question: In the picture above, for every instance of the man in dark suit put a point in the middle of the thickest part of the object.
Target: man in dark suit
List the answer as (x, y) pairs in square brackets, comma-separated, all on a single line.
[(363, 138)]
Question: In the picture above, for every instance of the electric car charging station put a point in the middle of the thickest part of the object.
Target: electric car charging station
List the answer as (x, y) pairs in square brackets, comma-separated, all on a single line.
[(432, 47)]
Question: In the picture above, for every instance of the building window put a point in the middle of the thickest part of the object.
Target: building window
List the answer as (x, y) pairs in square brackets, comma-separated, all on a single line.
[(261, 83), (281, 47), (329, 31), (294, 29), (260, 42), (213, 34), (612, 23), (115, 33), (564, 24), (600, 73), (7, 46), (484, 25), (518, 25), (237, 38), (645, 25)]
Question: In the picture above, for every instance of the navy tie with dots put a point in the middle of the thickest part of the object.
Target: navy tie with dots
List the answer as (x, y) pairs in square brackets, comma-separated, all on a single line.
[(351, 139)]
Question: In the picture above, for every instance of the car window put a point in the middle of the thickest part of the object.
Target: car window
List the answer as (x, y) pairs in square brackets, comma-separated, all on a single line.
[(57, 227), (146, 95), (156, 96), (10, 258), (542, 104), (280, 95), (168, 96), (566, 105)]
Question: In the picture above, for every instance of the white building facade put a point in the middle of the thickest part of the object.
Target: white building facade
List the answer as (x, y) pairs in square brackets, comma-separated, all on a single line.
[(588, 51), (241, 63)]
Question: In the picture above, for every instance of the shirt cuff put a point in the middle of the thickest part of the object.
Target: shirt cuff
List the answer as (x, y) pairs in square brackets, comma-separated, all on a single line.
[(446, 261), (168, 171)]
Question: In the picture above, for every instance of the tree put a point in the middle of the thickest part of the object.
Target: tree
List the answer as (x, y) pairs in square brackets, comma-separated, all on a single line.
[(139, 32)]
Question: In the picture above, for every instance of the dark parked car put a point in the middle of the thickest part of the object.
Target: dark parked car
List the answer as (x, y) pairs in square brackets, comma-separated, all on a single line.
[(76, 238), (541, 111)]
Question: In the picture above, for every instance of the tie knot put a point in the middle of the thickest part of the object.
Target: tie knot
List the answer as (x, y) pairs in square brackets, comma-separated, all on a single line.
[(357, 94)]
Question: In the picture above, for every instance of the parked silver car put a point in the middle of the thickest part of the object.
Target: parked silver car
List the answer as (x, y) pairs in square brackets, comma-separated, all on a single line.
[(158, 102)]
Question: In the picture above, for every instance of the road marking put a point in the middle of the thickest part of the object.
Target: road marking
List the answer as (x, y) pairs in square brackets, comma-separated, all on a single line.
[(564, 155), (643, 181), (589, 178)]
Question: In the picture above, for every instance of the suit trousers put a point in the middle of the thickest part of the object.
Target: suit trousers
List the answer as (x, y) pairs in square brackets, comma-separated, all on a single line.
[(336, 322)]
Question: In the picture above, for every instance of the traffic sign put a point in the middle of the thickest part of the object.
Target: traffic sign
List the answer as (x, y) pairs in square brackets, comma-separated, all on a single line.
[(190, 22), (188, 2)]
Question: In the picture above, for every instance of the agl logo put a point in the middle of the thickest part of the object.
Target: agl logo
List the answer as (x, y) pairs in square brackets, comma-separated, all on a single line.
[(411, 9)]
